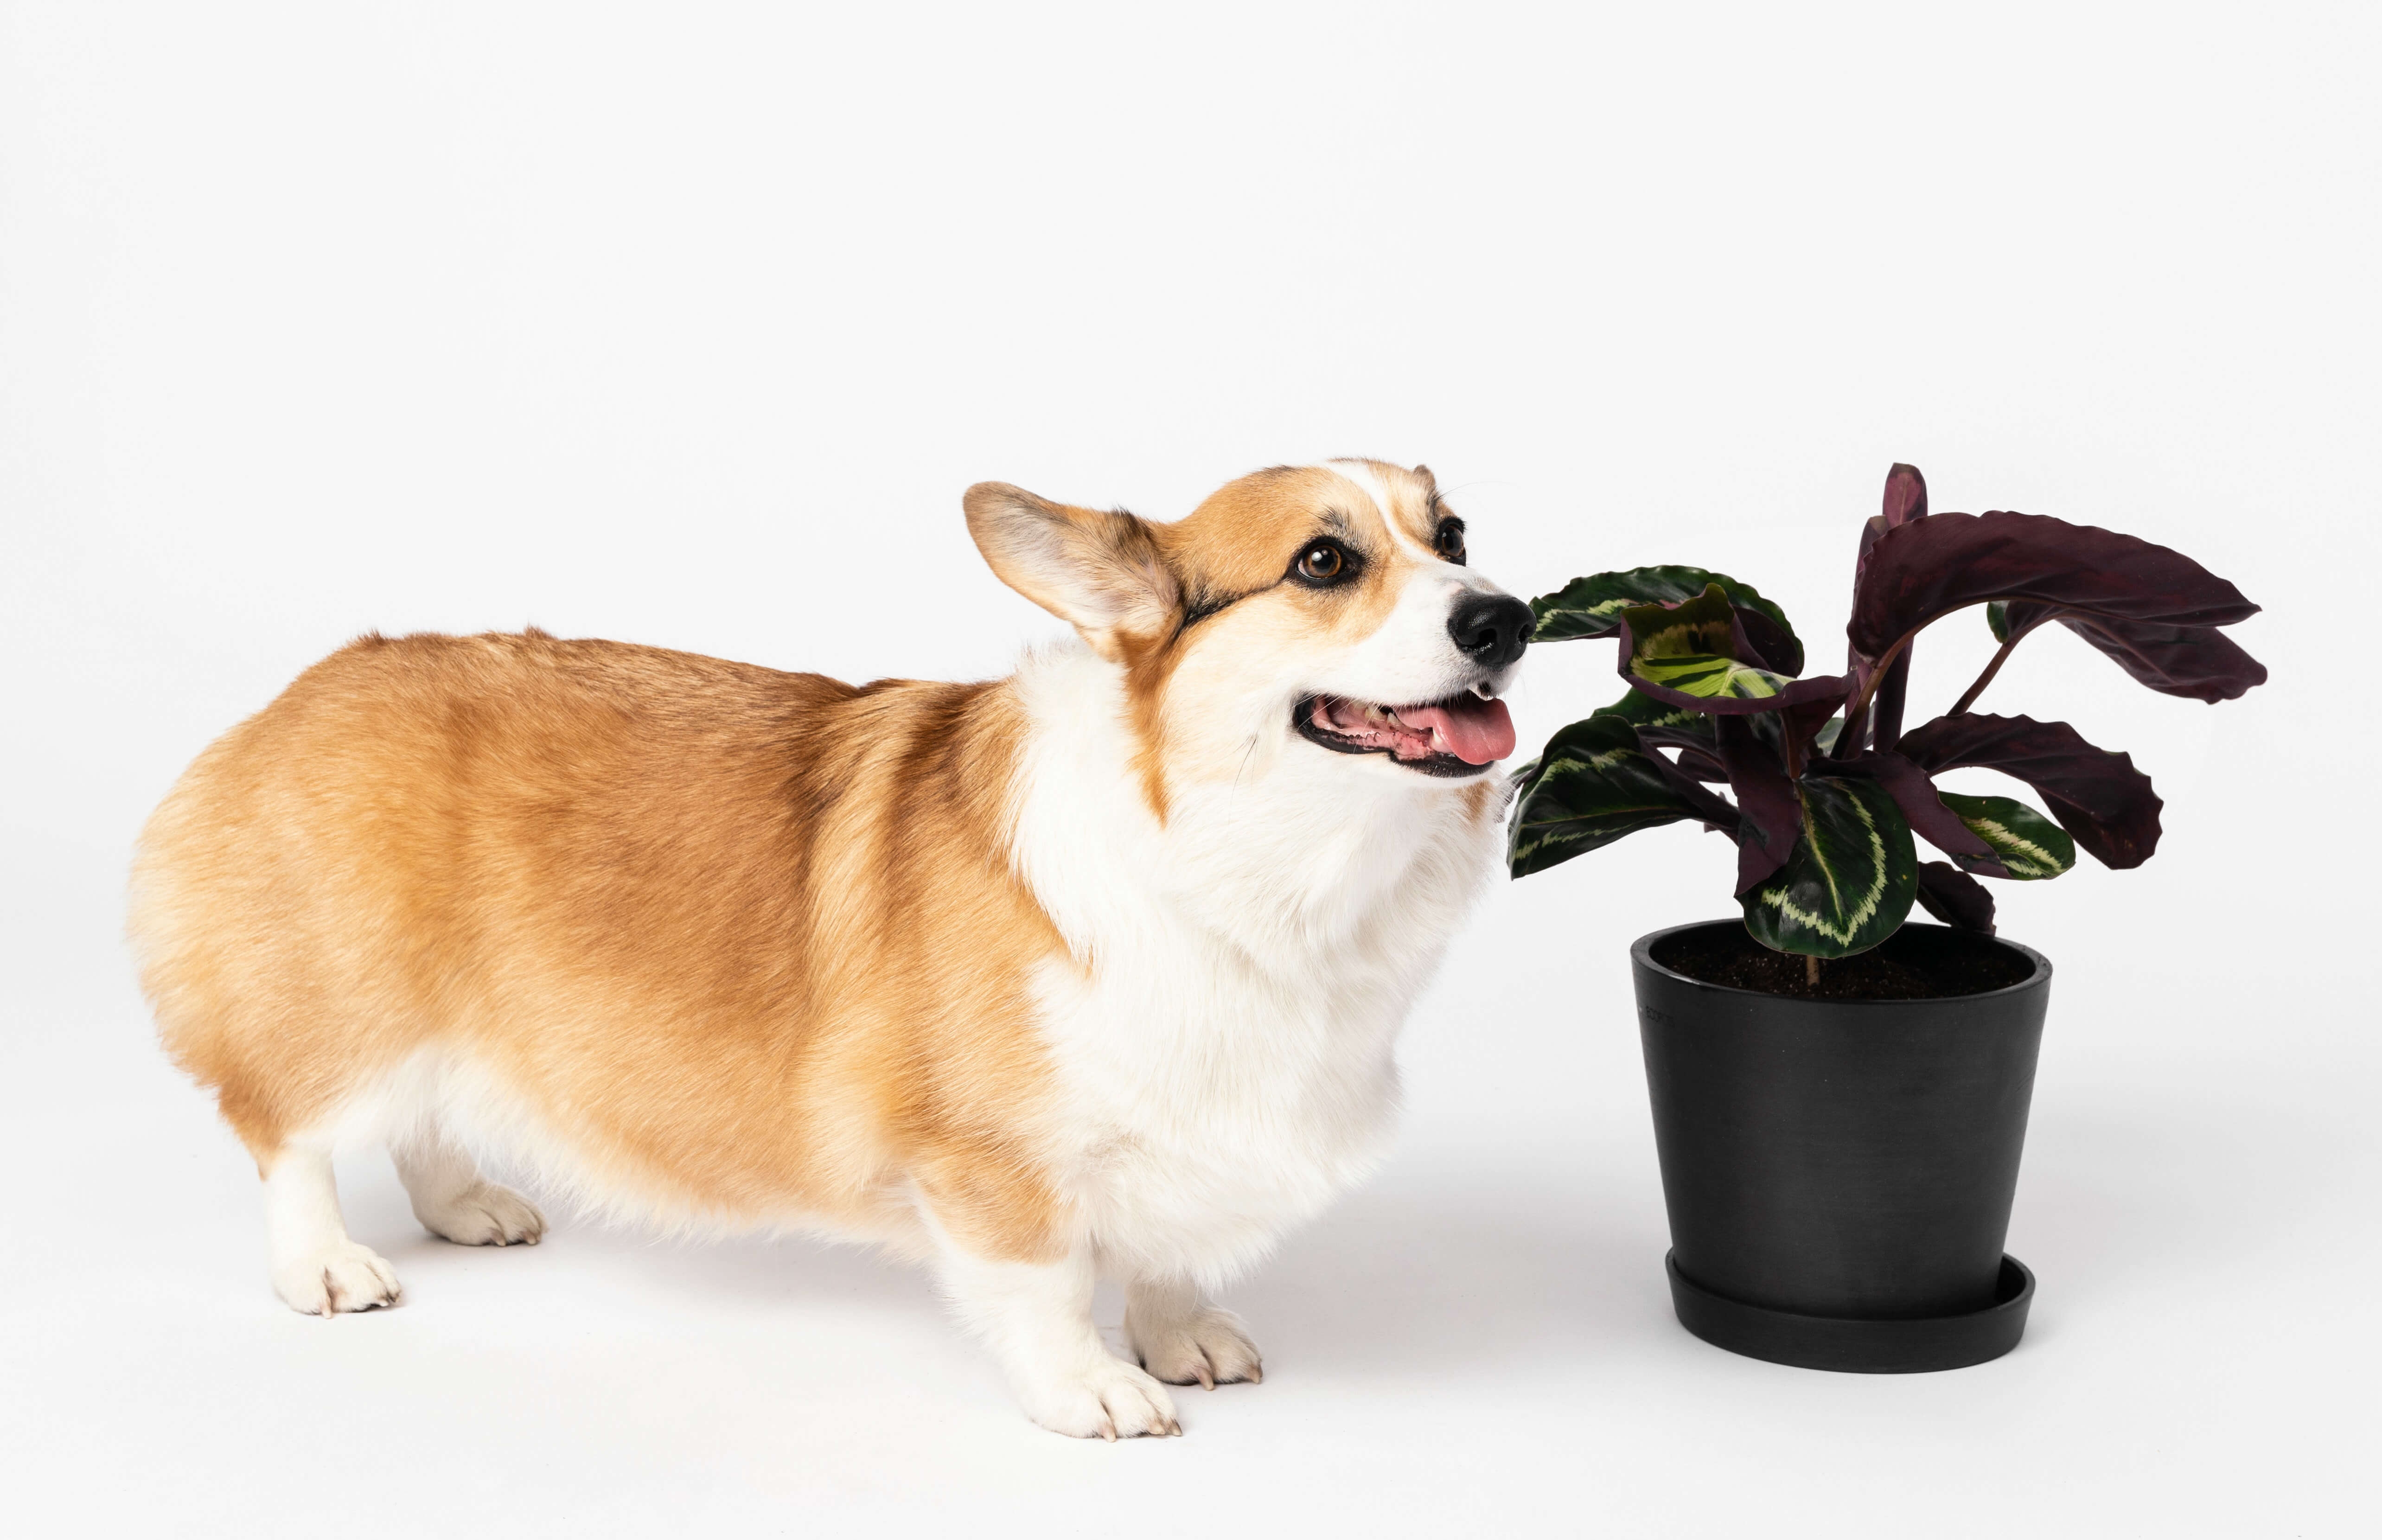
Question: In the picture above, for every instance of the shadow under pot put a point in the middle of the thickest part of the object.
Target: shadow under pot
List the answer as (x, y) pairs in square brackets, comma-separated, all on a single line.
[(1839, 1171)]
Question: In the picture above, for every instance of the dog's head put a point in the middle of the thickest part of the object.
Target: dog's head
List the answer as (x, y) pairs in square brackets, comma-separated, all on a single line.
[(1322, 609)]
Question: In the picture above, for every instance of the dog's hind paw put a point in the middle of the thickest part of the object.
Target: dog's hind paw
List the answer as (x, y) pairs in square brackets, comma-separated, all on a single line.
[(1209, 1347), (484, 1214)]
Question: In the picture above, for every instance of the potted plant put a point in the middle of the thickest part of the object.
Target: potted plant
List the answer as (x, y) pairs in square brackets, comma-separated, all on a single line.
[(1840, 1100)]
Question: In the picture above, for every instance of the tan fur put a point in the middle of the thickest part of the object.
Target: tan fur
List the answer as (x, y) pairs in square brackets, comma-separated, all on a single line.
[(745, 940), (749, 943), (1230, 552)]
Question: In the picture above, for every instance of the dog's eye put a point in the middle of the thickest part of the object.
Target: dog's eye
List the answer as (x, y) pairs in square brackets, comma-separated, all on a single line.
[(1324, 561), (1449, 541)]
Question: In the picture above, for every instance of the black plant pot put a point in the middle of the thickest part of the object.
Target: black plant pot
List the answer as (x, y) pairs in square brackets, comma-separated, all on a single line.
[(1839, 1172)]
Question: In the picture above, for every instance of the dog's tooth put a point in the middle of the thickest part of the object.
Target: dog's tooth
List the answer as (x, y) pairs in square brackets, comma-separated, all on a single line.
[(1377, 716), (1439, 742)]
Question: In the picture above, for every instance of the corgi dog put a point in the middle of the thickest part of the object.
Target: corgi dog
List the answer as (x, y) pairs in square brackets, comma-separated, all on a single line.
[(1095, 968)]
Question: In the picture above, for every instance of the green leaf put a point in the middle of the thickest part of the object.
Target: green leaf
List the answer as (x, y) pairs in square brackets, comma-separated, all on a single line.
[(2029, 845), (1997, 619), (1644, 710), (1848, 883), (1594, 784), (1708, 675), (1592, 606), (1689, 648)]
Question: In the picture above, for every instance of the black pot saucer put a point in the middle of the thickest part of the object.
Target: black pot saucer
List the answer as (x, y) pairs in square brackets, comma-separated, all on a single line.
[(1854, 1347)]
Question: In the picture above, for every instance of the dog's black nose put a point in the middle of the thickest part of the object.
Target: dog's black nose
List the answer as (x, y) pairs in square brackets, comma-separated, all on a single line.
[(1491, 628)]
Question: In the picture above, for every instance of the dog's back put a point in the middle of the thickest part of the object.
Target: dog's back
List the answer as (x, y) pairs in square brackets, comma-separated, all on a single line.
[(697, 928)]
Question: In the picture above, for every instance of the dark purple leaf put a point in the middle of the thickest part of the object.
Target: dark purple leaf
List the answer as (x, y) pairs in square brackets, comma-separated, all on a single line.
[(1772, 813), (1762, 641), (1905, 496), (1803, 720), (2196, 662), (2097, 797), (1930, 567), (1714, 812), (1929, 819), (1795, 732), (1695, 749), (1955, 897), (1906, 501)]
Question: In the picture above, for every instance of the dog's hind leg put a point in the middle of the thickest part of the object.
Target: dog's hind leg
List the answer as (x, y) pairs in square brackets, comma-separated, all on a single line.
[(453, 1201), (1182, 1339), (316, 1269)]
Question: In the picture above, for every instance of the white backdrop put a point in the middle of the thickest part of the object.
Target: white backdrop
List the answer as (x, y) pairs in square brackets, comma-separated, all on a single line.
[(687, 325)]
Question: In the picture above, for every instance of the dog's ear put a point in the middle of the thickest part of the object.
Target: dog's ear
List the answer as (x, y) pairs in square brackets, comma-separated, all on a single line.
[(1100, 573)]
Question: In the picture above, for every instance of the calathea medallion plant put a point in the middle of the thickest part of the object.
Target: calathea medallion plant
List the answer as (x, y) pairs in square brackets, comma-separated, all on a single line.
[(1839, 1166), (1829, 786)]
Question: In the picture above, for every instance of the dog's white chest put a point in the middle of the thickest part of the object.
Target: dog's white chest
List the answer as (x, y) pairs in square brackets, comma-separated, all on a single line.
[(1205, 1109), (1222, 1030)]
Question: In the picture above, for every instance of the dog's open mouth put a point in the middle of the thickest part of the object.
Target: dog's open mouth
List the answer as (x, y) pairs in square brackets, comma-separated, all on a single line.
[(1455, 736)]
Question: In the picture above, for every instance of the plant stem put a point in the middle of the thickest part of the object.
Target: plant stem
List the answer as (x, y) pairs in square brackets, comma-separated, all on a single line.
[(1860, 706), (1811, 970), (1993, 665), (1848, 739), (1969, 696), (1886, 710)]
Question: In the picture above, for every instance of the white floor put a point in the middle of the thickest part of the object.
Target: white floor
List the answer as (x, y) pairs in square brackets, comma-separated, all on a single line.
[(1477, 1343)]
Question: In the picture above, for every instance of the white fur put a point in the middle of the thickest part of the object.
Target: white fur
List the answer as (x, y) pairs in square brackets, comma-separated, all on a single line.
[(1369, 481), (454, 1201), (1222, 1025), (1410, 658), (1036, 1319), (1239, 973), (1182, 1339), (315, 1267)]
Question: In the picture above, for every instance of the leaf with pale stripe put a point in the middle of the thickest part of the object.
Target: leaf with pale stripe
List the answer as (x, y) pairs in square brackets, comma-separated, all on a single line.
[(1644, 710), (1595, 784), (1701, 655), (1691, 647), (2030, 846), (1848, 883), (1591, 606)]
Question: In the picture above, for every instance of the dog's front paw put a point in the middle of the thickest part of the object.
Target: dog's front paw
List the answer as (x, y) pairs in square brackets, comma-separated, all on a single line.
[(1208, 1346), (1108, 1400), (343, 1276)]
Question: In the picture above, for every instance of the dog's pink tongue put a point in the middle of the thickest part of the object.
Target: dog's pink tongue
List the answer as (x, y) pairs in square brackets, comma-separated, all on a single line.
[(1476, 731)]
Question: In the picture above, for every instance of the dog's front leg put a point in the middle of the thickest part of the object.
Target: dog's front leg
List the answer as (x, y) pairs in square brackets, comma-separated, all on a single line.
[(1037, 1319), (1184, 1339)]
